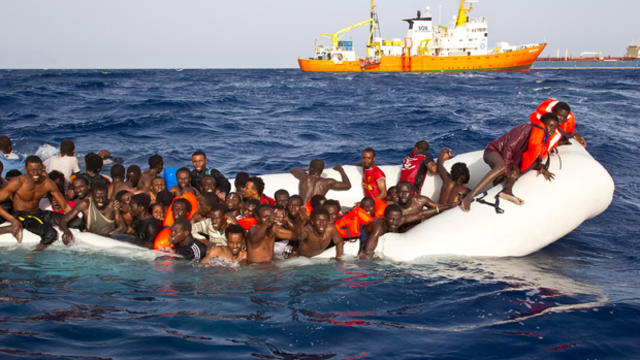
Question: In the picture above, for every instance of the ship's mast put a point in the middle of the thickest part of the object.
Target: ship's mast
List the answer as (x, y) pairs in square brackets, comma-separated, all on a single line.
[(374, 28)]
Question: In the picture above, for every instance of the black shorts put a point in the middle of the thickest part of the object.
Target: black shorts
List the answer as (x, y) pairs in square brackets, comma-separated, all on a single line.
[(40, 222)]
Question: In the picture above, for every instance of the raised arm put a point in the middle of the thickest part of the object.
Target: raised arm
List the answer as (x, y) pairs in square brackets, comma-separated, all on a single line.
[(345, 184), (299, 173)]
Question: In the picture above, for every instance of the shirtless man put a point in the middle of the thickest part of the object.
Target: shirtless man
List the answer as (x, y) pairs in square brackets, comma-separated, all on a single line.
[(409, 203), (312, 182), (281, 197), (157, 185), (183, 175), (319, 234), (453, 188), (233, 250), (133, 176), (333, 208), (392, 195), (234, 205), (101, 214), (117, 180), (295, 215), (262, 236), (156, 165), (373, 179), (26, 192)]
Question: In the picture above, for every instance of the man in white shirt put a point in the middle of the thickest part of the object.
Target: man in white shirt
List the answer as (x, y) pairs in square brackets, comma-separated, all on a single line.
[(66, 162)]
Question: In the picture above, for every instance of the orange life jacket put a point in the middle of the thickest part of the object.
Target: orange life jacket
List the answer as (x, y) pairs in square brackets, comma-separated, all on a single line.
[(247, 223), (162, 239), (537, 148), (348, 226), (380, 206), (564, 129)]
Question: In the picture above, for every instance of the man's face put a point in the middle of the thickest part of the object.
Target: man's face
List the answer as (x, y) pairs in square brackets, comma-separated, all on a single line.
[(264, 215), (392, 195), (293, 207), (178, 234), (551, 126), (249, 210), (282, 199), (184, 179), (179, 210), (199, 162), (80, 188), (100, 198), (235, 242), (278, 216), (368, 206), (393, 220), (34, 172), (158, 212), (233, 202), (217, 219), (135, 209), (404, 194), (562, 115), (208, 184), (320, 223), (125, 200), (158, 185), (333, 213), (368, 159), (250, 190)]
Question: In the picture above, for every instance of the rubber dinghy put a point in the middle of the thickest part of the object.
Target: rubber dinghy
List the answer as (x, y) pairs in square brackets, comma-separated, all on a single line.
[(582, 189)]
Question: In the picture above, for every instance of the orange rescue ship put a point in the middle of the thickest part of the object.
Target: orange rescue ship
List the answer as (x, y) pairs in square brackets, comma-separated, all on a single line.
[(462, 46)]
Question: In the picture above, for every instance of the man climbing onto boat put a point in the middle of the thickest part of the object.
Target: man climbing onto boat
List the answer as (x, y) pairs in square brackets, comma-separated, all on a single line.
[(413, 205), (262, 236), (566, 120), (26, 191), (417, 164), (373, 179), (312, 183), (232, 251), (514, 153), (316, 236), (453, 185)]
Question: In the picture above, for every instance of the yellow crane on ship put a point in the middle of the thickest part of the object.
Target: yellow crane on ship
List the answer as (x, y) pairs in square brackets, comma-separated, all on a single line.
[(338, 35)]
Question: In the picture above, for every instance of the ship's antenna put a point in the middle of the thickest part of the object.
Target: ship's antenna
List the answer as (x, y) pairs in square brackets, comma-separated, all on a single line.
[(374, 28)]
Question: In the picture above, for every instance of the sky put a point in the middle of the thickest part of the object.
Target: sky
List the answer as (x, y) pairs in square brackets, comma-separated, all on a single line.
[(273, 34)]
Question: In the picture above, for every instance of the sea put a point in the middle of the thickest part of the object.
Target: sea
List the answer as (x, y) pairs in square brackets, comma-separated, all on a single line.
[(578, 298)]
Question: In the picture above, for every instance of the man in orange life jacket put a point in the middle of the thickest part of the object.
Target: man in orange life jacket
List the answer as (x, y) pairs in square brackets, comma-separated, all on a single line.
[(566, 120), (514, 153), (416, 165), (373, 179)]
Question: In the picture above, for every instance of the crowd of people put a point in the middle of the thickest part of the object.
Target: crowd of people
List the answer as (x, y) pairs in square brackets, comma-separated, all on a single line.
[(202, 219)]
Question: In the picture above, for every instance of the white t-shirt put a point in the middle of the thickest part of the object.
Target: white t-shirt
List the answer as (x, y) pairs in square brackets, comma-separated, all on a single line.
[(65, 164)]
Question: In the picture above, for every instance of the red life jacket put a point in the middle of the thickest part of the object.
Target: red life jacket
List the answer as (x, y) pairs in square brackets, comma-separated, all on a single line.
[(410, 167), (247, 223)]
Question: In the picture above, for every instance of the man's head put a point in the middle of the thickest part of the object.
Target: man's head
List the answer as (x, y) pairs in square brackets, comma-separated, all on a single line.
[(133, 174), (164, 197), (241, 180), (562, 111), (264, 211), (206, 201), (316, 166), (392, 194), (250, 208), (320, 220), (208, 184), (180, 231), (57, 177), (393, 217), (368, 158), (100, 195), (5, 144), (550, 121), (80, 186), (235, 238), (139, 204), (405, 193), (183, 175), (367, 204), (117, 172), (421, 147), (333, 208), (12, 174), (93, 163), (124, 197), (67, 148), (460, 173), (233, 201), (253, 188), (181, 208), (158, 184), (293, 206), (279, 213), (218, 217), (156, 162), (199, 160), (34, 169), (316, 201), (157, 211), (281, 197)]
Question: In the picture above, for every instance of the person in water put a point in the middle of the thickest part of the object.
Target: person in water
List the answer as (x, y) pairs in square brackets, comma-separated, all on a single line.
[(183, 243), (183, 175), (453, 185), (373, 179), (233, 250), (333, 208), (262, 236), (410, 203), (102, 215), (157, 210), (512, 154), (26, 192), (312, 183), (145, 227), (213, 227), (319, 234), (156, 165), (417, 164), (66, 162)]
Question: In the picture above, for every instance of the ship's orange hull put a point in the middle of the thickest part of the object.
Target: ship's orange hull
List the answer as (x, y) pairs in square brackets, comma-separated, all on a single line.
[(508, 61)]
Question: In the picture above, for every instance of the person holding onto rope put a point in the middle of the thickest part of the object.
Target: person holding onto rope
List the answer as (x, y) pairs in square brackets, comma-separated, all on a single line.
[(514, 153)]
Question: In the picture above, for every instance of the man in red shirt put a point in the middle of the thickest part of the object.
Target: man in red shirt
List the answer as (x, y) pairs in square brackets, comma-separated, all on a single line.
[(373, 179)]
